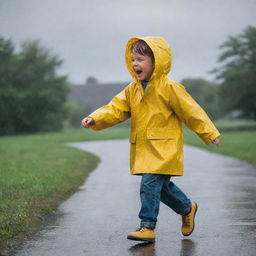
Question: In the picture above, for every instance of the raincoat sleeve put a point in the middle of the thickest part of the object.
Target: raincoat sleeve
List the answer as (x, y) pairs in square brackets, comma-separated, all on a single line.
[(188, 110), (116, 111)]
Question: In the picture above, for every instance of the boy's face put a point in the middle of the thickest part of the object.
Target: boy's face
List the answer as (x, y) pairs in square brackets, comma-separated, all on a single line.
[(143, 66)]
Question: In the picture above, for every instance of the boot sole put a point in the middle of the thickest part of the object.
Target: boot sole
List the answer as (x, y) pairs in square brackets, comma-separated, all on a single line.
[(193, 222), (150, 240)]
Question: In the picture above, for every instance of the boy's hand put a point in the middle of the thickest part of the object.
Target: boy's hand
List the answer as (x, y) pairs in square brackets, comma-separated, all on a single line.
[(216, 142), (87, 122)]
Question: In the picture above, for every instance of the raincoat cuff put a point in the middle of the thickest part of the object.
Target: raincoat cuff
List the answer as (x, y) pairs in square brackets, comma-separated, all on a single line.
[(208, 138), (97, 126)]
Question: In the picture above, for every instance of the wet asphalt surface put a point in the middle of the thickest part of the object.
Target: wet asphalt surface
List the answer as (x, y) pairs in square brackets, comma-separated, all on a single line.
[(96, 219)]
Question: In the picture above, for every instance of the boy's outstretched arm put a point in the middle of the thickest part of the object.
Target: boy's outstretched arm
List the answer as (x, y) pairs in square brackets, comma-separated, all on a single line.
[(190, 112), (116, 111)]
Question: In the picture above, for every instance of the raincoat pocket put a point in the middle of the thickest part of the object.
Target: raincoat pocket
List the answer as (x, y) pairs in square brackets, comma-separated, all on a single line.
[(133, 137), (160, 134), (161, 144)]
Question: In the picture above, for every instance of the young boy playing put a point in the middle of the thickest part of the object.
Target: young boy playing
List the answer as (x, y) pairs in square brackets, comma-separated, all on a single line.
[(157, 106)]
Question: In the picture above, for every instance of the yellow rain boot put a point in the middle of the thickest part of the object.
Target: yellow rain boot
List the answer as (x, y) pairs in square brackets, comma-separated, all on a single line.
[(142, 234), (188, 221)]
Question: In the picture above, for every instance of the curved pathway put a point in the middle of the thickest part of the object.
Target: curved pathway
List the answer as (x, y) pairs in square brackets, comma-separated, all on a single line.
[(96, 219)]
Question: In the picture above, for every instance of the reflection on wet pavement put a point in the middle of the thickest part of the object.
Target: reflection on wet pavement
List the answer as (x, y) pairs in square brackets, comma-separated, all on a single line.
[(143, 249), (187, 248), (95, 220), (148, 249)]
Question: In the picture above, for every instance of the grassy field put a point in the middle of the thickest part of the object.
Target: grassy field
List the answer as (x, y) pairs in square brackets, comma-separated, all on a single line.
[(238, 139), (240, 144), (37, 172), (238, 125)]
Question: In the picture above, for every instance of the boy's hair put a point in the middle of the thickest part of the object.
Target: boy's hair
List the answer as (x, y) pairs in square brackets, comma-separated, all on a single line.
[(142, 48)]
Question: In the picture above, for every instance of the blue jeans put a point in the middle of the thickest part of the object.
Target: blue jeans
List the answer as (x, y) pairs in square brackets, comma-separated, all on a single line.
[(155, 188)]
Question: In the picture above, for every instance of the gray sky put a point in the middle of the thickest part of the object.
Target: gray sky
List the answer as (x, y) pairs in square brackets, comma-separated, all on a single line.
[(90, 35)]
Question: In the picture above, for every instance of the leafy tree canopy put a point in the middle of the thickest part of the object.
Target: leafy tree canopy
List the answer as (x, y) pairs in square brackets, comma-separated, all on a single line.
[(32, 94), (237, 73)]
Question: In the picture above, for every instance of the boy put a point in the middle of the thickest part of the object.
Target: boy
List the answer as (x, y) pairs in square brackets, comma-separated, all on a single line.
[(157, 106)]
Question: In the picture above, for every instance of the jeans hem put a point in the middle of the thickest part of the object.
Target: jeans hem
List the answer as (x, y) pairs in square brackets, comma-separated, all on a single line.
[(148, 224), (188, 210)]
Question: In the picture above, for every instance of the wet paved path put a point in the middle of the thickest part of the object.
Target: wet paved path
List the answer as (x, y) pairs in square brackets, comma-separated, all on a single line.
[(96, 219)]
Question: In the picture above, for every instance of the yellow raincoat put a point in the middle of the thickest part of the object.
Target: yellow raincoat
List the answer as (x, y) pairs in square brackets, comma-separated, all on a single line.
[(156, 143)]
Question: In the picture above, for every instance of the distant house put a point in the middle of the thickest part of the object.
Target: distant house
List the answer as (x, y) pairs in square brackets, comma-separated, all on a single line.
[(94, 94)]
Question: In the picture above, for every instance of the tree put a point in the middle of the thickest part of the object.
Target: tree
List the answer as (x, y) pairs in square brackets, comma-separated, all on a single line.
[(32, 94), (238, 73), (205, 93)]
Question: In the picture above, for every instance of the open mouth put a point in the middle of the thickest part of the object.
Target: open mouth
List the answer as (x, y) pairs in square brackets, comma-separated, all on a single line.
[(138, 72)]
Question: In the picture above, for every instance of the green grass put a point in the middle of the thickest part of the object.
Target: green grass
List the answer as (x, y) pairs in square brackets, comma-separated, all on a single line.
[(240, 144), (227, 124), (37, 172)]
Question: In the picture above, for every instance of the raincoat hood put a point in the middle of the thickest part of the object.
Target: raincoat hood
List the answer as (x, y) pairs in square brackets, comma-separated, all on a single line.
[(161, 51)]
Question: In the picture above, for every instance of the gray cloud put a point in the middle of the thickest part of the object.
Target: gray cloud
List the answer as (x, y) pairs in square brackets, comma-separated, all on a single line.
[(90, 36)]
